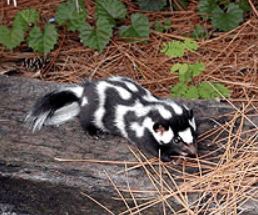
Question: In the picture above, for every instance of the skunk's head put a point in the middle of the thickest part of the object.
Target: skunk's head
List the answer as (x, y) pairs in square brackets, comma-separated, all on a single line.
[(176, 135)]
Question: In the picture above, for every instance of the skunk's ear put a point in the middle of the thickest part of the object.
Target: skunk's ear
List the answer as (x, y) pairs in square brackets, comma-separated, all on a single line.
[(159, 128)]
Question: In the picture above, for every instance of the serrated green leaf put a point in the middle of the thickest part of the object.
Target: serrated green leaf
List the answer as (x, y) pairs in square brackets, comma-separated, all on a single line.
[(25, 18), (206, 7), (196, 69), (199, 32), (211, 90), (173, 49), (96, 37), (43, 41), (179, 90), (178, 48), (192, 93), (140, 27), (190, 45), (151, 5), (111, 10), (228, 20), (183, 70), (222, 89), (178, 66), (11, 38), (205, 90), (71, 14)]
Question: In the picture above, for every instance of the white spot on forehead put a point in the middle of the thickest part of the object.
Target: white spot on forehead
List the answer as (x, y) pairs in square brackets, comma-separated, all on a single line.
[(186, 136), (192, 123), (84, 101)]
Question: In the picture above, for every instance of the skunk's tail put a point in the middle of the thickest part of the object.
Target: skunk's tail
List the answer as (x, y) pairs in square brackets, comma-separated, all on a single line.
[(55, 107)]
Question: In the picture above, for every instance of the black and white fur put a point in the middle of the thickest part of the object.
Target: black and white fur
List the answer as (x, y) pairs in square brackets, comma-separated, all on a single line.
[(120, 106)]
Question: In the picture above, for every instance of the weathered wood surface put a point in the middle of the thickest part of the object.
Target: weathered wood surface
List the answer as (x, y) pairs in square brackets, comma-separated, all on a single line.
[(34, 182)]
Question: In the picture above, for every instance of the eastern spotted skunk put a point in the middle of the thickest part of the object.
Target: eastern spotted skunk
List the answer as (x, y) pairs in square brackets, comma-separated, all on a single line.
[(120, 106)]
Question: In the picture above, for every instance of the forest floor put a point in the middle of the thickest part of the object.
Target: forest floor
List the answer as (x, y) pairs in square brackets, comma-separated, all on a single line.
[(230, 57)]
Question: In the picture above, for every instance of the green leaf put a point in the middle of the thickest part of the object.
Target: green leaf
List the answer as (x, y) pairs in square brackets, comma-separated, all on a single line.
[(179, 90), (228, 20), (205, 90), (140, 27), (111, 10), (190, 45), (183, 70), (206, 7), (178, 48), (96, 37), (72, 15), (222, 89), (173, 49), (11, 38), (196, 69), (152, 5), (192, 93), (25, 18), (43, 41), (199, 32), (210, 90)]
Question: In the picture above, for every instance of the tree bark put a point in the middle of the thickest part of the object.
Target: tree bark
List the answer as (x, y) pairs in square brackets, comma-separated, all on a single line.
[(34, 182)]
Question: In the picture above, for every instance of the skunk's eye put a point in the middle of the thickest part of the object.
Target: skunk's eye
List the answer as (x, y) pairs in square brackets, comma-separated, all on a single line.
[(177, 139)]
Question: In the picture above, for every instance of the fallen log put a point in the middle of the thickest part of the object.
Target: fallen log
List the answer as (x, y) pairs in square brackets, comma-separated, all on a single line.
[(62, 170)]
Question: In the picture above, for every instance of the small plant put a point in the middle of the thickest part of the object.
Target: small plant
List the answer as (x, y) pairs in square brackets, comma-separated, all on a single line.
[(152, 5), (39, 41), (187, 72), (162, 26), (225, 15), (12, 37), (139, 27), (158, 5), (72, 14), (44, 41), (178, 48), (199, 32)]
